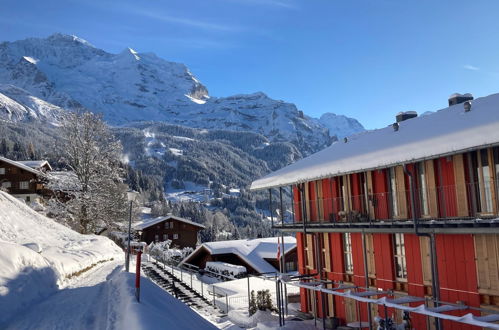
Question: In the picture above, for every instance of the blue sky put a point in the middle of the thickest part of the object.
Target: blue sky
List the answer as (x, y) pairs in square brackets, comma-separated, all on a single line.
[(365, 59)]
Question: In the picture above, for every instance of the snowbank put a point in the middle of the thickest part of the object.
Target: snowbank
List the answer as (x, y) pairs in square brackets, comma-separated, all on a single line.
[(226, 269), (27, 276)]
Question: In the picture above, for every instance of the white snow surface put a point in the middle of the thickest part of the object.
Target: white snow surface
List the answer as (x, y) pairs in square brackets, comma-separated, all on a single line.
[(27, 276), (19, 105), (223, 266), (341, 125), (446, 131), (253, 251)]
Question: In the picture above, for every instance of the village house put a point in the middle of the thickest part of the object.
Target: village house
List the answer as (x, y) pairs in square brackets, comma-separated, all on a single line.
[(404, 216), (181, 232), (24, 179), (258, 256)]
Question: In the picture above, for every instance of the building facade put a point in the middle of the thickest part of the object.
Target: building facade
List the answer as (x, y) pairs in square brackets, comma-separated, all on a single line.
[(24, 179), (406, 211), (181, 232)]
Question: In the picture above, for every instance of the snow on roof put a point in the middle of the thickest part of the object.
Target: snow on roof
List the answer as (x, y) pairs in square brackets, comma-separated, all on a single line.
[(150, 222), (252, 251), (447, 131), (21, 165), (35, 164), (63, 181)]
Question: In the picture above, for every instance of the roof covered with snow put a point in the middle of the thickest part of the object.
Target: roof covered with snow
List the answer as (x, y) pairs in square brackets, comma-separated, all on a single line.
[(151, 222), (35, 164), (252, 251), (447, 131), (21, 166)]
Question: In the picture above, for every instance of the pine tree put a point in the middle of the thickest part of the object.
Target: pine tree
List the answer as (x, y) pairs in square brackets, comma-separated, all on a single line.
[(4, 149), (252, 305)]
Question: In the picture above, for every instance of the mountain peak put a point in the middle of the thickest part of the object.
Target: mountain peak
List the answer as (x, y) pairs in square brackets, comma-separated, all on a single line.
[(341, 125), (67, 38), (130, 53)]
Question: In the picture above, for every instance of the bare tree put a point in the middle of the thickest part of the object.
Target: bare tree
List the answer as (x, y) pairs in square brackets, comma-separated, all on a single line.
[(92, 152)]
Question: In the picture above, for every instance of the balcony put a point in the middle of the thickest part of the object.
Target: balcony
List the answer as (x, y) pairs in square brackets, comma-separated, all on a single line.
[(471, 205)]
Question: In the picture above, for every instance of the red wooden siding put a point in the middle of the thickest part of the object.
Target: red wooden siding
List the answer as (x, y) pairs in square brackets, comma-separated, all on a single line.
[(327, 203), (380, 197), (414, 276), (312, 195), (457, 273), (446, 187), (297, 203)]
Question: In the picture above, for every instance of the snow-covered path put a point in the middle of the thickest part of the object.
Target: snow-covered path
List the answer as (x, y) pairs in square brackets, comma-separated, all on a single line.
[(89, 302)]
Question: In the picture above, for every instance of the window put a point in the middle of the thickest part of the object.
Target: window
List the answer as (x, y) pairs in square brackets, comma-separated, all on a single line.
[(2, 170), (24, 185), (290, 266), (171, 225), (399, 255), (28, 199), (347, 252), (482, 180), (167, 225), (165, 237), (156, 238), (423, 190), (175, 236), (393, 192), (6, 184)]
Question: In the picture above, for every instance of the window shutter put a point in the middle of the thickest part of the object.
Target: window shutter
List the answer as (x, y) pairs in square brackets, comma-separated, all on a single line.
[(461, 194)]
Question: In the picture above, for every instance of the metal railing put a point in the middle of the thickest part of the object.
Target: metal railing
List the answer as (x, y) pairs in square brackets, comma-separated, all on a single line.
[(451, 202)]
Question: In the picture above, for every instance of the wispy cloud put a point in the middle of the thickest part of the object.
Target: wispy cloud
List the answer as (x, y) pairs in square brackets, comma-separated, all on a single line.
[(470, 67), (196, 23), (274, 3)]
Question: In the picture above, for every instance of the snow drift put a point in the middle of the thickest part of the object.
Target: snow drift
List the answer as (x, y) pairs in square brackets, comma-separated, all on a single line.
[(27, 276)]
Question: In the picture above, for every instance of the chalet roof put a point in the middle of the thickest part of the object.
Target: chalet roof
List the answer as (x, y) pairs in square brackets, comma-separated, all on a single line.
[(21, 166), (252, 251), (35, 164), (150, 222), (447, 131)]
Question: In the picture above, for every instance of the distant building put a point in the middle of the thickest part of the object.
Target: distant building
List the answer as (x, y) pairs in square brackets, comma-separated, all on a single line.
[(24, 179), (257, 255), (182, 232)]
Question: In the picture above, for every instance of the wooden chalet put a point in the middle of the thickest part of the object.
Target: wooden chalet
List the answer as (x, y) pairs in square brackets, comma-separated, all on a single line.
[(259, 256), (182, 232), (404, 218), (24, 179)]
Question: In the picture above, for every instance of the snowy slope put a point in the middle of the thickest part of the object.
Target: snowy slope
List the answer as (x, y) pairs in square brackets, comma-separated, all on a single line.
[(132, 86), (18, 105), (27, 276), (340, 125)]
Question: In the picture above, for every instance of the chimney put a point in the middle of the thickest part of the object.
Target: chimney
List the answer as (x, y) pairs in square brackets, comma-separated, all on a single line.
[(457, 98), (467, 106), (401, 116)]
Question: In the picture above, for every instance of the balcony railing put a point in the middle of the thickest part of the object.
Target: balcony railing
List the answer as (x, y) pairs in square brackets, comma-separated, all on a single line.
[(453, 202)]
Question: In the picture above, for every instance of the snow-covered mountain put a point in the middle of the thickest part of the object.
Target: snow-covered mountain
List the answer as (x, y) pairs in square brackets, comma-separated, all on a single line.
[(340, 125), (71, 73), (18, 105)]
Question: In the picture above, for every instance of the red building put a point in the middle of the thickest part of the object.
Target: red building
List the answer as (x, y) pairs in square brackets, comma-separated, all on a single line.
[(404, 216)]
